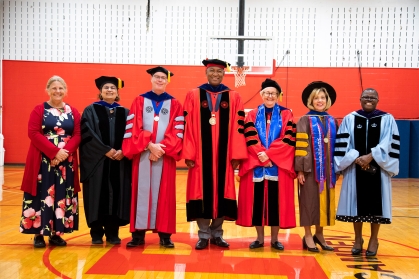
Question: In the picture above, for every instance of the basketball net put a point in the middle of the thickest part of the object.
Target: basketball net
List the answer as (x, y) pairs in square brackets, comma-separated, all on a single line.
[(240, 75)]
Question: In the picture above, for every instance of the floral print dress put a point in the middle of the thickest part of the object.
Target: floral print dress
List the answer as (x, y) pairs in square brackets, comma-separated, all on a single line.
[(55, 207)]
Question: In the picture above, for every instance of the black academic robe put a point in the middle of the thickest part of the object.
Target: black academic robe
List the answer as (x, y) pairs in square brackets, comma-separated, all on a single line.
[(106, 182)]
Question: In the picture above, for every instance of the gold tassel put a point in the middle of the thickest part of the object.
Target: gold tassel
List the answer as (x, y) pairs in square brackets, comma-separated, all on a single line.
[(228, 67), (280, 96), (119, 83), (168, 76)]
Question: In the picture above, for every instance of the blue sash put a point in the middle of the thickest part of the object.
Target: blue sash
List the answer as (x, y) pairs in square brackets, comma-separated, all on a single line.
[(318, 133), (261, 173)]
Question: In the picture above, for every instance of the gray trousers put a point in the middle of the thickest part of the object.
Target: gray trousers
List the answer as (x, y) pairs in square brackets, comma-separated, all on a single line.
[(210, 227)]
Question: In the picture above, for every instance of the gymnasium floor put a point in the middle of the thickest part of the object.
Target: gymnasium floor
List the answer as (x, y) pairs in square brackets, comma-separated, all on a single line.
[(398, 254)]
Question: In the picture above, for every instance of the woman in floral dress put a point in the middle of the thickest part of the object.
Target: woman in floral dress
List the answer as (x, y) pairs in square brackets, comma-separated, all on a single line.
[(50, 181)]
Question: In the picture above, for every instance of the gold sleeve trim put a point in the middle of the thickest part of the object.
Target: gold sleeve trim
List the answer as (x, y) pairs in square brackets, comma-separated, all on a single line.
[(302, 136), (300, 153), (301, 144)]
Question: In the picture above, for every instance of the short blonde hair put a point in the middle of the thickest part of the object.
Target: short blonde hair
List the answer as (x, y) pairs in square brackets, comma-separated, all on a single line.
[(56, 78), (315, 93)]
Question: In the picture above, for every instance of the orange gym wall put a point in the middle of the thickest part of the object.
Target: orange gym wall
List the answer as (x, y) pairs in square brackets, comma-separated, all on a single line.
[(24, 83)]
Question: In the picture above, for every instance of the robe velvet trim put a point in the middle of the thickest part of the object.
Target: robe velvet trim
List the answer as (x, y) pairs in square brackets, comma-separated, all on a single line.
[(368, 187), (40, 144)]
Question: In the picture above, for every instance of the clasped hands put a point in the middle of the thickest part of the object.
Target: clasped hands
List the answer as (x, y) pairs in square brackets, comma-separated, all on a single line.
[(61, 156), (115, 154), (156, 151), (364, 161), (263, 158)]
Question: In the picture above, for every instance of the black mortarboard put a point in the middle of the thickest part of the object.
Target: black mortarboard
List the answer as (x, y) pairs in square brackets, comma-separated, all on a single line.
[(152, 71), (100, 81), (271, 83), (216, 63), (318, 84)]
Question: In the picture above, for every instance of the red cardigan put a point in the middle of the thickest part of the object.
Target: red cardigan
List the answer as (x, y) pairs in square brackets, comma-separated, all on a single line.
[(40, 144)]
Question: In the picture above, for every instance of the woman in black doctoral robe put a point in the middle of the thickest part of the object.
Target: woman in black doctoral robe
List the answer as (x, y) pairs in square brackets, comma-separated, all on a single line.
[(104, 171)]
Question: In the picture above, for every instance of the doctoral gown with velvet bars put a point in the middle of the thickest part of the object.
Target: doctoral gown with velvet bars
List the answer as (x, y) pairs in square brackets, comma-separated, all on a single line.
[(365, 197), (210, 187), (106, 182), (270, 201), (153, 207), (317, 207)]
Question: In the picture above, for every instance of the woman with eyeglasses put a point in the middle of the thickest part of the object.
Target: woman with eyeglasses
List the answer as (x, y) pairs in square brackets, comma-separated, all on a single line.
[(50, 180), (315, 141), (367, 154), (266, 193), (105, 172)]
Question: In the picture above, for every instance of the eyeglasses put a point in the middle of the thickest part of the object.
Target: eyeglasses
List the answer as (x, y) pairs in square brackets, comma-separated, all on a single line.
[(266, 94), (369, 98), (163, 78), (109, 87)]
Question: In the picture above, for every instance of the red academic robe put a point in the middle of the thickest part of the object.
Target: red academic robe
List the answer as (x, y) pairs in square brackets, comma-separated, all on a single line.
[(210, 189), (132, 148), (40, 144), (281, 153)]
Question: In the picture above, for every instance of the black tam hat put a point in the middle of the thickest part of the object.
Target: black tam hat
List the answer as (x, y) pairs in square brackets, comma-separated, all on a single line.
[(152, 71), (271, 83), (216, 63), (100, 81), (315, 85)]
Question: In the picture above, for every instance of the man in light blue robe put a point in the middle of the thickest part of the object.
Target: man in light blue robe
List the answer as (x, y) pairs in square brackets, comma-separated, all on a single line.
[(367, 139)]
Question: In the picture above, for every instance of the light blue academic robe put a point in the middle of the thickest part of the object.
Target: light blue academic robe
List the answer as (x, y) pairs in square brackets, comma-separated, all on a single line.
[(385, 155)]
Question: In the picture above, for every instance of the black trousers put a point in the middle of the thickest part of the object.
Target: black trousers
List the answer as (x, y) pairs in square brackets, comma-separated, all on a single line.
[(106, 225), (141, 234)]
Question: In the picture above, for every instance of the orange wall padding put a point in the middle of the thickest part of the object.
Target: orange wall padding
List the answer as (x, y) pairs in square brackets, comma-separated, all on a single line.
[(24, 87)]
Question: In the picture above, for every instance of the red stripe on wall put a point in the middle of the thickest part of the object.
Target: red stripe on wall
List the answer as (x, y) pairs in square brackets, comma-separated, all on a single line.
[(24, 87)]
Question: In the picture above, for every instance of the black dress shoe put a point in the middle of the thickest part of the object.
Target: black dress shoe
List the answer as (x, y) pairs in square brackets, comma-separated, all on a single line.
[(369, 253), (277, 245), (255, 244), (56, 240), (310, 249), (219, 241), (167, 242), (97, 241), (39, 242), (135, 242), (324, 247), (356, 251), (201, 244), (114, 240)]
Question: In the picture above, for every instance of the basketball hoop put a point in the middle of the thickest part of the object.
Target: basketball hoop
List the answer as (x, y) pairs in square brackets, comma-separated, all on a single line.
[(239, 75)]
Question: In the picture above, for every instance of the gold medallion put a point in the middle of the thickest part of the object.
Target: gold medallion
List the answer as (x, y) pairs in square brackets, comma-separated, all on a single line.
[(156, 118), (326, 140), (212, 120)]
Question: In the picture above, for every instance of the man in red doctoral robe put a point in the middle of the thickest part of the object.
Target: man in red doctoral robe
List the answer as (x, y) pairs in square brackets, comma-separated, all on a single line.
[(213, 146), (153, 140)]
